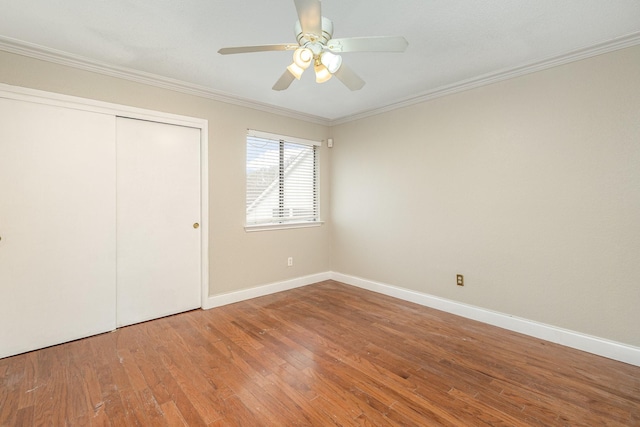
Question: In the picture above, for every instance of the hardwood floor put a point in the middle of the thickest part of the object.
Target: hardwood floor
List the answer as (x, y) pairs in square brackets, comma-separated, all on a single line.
[(325, 354)]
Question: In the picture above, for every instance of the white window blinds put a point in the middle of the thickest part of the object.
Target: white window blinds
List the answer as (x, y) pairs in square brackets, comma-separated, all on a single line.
[(282, 179)]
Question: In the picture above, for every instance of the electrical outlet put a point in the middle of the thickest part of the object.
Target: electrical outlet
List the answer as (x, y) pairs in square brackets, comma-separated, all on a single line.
[(459, 280), (290, 261)]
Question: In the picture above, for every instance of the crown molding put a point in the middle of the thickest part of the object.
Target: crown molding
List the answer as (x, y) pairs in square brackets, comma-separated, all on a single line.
[(63, 58), (509, 73), (35, 51)]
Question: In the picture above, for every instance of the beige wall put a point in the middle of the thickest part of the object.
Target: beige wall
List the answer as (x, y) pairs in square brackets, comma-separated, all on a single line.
[(238, 260), (529, 187)]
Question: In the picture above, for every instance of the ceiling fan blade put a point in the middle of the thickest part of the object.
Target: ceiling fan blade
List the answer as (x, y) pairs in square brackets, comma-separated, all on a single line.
[(261, 48), (284, 81), (368, 44), (349, 78), (310, 15)]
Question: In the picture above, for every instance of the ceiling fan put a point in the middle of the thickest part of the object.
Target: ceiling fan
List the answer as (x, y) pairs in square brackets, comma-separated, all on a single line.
[(316, 47)]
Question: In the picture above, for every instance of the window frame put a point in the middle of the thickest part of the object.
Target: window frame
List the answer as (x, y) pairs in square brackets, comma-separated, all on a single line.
[(282, 140)]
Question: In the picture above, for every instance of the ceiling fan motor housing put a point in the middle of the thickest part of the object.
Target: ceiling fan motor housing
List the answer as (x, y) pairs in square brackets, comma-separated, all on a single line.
[(327, 33)]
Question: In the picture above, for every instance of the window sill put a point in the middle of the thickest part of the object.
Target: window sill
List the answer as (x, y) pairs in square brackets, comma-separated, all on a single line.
[(267, 227)]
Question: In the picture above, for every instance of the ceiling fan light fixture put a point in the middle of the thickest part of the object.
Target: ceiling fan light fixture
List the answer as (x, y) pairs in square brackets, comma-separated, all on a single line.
[(322, 73), (315, 44), (296, 70), (302, 57), (331, 61)]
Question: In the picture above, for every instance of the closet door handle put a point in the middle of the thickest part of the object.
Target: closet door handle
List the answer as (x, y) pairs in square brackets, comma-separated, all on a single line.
[(196, 225)]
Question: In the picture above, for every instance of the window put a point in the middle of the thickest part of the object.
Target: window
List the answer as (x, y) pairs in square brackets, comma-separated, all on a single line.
[(282, 180)]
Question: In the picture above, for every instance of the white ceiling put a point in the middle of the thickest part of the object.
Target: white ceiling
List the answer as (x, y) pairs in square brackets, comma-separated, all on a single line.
[(451, 43)]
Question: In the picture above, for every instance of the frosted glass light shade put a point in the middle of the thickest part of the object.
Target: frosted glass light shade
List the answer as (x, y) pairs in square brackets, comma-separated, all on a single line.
[(302, 57), (331, 61), (322, 74), (295, 70)]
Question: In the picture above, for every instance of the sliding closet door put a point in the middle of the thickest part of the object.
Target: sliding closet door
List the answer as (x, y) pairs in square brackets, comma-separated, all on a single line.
[(57, 225), (158, 216)]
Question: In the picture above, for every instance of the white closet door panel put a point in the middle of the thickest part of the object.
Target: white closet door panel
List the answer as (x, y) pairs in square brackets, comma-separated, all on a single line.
[(158, 203), (57, 225)]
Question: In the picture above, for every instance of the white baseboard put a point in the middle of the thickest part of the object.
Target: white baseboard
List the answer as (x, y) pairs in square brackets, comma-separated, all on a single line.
[(259, 291), (601, 347)]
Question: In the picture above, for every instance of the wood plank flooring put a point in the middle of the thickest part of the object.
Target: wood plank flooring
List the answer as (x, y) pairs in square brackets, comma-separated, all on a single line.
[(322, 355)]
